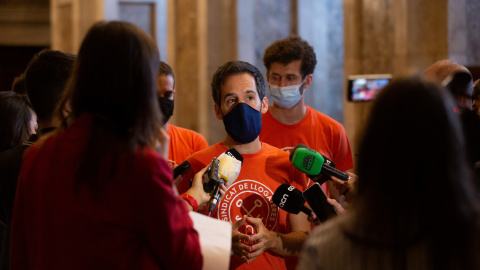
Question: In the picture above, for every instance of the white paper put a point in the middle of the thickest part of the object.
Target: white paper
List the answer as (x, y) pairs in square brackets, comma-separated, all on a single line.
[(215, 241)]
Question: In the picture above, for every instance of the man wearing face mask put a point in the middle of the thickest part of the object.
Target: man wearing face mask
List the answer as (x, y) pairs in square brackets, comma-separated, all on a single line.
[(261, 233), (290, 64), (183, 142)]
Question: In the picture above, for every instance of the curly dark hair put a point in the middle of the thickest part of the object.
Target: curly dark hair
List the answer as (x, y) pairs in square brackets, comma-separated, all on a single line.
[(233, 68), (290, 49)]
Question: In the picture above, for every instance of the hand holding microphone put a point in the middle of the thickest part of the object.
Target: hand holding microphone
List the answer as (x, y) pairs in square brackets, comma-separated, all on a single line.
[(347, 188), (225, 169)]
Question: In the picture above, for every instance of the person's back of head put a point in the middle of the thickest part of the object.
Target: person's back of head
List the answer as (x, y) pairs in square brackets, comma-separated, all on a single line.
[(114, 79), (290, 49), (414, 183), (45, 80), (443, 72), (15, 119)]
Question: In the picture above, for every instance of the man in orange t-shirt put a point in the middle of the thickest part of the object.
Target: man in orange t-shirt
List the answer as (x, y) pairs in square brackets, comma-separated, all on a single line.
[(183, 142), (261, 233), (290, 64)]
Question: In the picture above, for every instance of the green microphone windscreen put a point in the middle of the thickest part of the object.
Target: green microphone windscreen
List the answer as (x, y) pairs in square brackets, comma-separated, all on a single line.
[(307, 160)]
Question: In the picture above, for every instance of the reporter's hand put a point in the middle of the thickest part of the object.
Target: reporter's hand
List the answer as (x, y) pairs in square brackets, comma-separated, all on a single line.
[(336, 205), (314, 219), (197, 191), (238, 248), (350, 186)]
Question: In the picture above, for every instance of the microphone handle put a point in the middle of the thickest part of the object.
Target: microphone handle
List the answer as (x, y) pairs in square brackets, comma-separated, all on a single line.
[(305, 209), (320, 178), (180, 169), (334, 172), (215, 195)]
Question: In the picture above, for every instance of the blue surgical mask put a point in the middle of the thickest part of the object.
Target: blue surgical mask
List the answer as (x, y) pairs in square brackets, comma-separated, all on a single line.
[(243, 123), (287, 96)]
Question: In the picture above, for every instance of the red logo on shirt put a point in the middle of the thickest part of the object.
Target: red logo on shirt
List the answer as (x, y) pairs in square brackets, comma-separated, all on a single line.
[(251, 198)]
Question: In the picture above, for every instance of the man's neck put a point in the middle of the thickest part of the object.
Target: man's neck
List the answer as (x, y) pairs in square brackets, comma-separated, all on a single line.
[(289, 116), (243, 148)]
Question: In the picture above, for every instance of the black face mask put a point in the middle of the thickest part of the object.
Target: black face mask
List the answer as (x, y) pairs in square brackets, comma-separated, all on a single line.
[(166, 106)]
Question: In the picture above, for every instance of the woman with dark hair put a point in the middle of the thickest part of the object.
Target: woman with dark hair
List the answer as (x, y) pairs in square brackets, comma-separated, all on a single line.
[(96, 194), (415, 207), (17, 120)]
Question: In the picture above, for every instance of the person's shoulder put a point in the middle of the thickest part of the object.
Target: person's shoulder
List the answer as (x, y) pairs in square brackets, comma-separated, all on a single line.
[(275, 155), (186, 133), (323, 119), (272, 150), (11, 153), (11, 158), (183, 130), (210, 151)]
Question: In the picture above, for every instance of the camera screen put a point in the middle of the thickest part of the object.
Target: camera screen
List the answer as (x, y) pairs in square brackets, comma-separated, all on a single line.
[(367, 87)]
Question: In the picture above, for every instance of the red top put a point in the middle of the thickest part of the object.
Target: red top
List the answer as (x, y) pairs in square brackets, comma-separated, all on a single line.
[(137, 222)]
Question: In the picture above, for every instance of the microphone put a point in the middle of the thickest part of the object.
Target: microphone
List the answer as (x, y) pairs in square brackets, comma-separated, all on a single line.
[(313, 164), (181, 169), (290, 199), (229, 164)]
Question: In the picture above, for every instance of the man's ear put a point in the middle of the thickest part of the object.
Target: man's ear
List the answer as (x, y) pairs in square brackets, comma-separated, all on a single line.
[(264, 107), (218, 112), (308, 81)]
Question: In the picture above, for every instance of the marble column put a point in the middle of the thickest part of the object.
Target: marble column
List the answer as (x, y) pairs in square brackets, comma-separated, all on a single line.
[(397, 37), (71, 19)]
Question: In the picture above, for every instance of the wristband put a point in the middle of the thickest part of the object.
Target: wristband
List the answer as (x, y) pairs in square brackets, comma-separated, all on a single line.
[(191, 200)]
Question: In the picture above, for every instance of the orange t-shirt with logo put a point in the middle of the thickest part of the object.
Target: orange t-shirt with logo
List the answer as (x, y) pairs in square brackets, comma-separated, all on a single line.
[(251, 194), (183, 143)]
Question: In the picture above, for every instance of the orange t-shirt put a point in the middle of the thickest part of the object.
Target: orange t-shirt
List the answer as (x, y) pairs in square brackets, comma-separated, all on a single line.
[(183, 143), (316, 130), (251, 194)]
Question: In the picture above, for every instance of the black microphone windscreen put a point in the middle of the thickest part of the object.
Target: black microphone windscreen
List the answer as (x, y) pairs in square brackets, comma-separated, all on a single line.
[(180, 169), (300, 145), (235, 154), (288, 198)]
